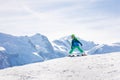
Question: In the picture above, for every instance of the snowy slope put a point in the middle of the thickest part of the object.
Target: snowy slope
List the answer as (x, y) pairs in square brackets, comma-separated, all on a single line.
[(94, 67)]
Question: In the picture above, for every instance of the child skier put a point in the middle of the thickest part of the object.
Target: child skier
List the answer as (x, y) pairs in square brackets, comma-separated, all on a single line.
[(75, 44)]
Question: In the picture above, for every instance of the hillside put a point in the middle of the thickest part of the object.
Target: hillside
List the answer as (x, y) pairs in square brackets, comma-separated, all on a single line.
[(92, 67)]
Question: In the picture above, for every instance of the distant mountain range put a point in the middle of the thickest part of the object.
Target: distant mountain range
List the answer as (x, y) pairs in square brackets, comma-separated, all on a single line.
[(23, 50), (15, 51)]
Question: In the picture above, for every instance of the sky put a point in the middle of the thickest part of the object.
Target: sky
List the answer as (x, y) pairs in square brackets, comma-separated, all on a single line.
[(94, 20)]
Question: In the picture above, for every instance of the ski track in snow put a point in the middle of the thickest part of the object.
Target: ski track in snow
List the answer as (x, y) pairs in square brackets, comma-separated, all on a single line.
[(92, 67)]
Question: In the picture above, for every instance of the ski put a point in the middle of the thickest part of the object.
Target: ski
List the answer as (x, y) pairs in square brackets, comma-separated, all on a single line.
[(77, 55)]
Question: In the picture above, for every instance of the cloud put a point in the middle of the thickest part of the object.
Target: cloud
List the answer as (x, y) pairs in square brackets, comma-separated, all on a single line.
[(61, 17)]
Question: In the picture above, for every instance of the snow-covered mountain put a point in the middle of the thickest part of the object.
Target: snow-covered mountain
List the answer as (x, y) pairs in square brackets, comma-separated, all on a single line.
[(3, 58), (23, 50), (15, 51), (93, 67), (105, 48)]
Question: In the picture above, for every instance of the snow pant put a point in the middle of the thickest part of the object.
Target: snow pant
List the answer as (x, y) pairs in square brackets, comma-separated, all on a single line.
[(76, 47)]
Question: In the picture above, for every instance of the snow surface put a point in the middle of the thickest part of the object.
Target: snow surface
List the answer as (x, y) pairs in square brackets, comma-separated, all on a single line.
[(2, 49), (92, 67)]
